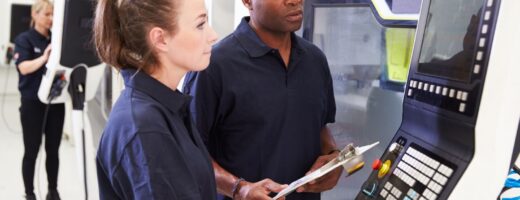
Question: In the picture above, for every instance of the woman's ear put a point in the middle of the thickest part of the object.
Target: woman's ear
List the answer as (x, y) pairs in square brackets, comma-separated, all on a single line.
[(33, 15), (248, 4), (157, 37)]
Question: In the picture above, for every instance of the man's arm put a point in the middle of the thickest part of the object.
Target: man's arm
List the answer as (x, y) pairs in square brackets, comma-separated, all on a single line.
[(329, 151), (328, 144)]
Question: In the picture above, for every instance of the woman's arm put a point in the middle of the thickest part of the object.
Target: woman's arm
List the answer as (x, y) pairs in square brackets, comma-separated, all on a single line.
[(231, 186), (30, 66)]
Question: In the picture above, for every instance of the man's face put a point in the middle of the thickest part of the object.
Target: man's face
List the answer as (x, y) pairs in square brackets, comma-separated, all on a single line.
[(277, 15)]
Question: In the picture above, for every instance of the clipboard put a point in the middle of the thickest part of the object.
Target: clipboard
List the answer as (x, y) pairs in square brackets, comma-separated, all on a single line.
[(349, 157)]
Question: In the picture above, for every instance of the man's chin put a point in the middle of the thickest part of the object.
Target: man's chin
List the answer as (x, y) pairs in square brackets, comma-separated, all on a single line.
[(295, 28)]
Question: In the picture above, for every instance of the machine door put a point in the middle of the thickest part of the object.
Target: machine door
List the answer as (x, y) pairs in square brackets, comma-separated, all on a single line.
[(369, 58)]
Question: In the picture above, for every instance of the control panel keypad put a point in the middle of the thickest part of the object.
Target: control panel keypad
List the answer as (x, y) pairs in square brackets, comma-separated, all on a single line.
[(425, 176), (390, 192)]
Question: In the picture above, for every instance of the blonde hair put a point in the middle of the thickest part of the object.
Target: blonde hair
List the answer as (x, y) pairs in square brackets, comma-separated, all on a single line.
[(38, 6)]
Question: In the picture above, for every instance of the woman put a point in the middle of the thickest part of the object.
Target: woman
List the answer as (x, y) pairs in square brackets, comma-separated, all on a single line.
[(32, 51), (149, 148)]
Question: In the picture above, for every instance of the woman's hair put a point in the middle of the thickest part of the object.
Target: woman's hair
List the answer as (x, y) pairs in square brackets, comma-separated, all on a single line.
[(121, 28), (38, 6)]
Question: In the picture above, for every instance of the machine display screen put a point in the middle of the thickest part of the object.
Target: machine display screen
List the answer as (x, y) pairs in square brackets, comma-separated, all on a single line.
[(449, 41)]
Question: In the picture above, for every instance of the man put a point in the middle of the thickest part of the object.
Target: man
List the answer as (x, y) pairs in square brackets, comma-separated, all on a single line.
[(263, 104)]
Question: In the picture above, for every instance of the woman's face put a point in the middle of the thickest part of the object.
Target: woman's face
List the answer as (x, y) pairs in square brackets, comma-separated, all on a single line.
[(43, 17), (190, 46)]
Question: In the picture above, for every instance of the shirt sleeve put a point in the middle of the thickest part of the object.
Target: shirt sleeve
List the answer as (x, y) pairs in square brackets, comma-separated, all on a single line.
[(331, 102), (106, 192), (208, 95), (22, 49), (153, 167), (189, 87)]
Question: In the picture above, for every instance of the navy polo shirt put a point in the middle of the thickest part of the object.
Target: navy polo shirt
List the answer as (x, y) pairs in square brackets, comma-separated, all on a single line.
[(258, 118), (150, 149), (30, 45)]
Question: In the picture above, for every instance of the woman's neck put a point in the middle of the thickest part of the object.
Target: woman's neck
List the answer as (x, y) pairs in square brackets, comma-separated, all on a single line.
[(42, 30), (169, 76)]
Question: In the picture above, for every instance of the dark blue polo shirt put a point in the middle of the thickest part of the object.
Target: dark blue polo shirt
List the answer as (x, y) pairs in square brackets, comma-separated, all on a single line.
[(150, 149), (30, 45), (258, 118)]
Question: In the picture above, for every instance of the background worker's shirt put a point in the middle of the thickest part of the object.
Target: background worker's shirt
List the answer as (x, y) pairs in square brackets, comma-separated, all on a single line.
[(150, 149), (258, 118), (30, 45)]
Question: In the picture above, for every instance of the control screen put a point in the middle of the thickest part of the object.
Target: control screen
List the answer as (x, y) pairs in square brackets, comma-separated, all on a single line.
[(449, 39)]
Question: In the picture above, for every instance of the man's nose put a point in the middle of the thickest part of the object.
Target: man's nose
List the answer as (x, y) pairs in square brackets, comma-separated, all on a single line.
[(294, 2)]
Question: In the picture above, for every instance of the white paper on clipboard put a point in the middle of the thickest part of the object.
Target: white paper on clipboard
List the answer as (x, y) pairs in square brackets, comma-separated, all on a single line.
[(348, 157)]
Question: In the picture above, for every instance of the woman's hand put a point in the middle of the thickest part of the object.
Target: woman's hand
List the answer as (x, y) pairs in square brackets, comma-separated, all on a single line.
[(259, 190), (46, 53)]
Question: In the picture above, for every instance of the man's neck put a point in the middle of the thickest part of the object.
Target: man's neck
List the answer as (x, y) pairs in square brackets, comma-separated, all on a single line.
[(276, 40)]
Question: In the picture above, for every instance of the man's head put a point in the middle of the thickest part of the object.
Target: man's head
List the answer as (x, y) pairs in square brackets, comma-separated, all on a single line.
[(276, 15)]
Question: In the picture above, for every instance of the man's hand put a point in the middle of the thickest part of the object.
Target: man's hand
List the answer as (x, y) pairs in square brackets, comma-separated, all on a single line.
[(259, 190), (327, 181)]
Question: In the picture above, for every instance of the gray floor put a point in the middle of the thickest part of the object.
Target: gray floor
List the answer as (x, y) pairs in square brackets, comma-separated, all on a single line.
[(11, 151)]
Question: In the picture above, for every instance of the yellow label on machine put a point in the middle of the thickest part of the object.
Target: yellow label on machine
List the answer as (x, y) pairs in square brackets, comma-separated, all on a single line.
[(399, 45)]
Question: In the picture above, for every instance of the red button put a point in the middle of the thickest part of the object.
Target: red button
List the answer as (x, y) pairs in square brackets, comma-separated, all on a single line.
[(377, 164)]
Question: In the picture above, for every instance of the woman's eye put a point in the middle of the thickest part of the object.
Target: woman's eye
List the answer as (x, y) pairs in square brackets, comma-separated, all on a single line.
[(201, 25)]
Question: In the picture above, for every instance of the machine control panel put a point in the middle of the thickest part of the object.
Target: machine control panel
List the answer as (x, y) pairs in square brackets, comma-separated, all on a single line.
[(442, 111), (412, 173)]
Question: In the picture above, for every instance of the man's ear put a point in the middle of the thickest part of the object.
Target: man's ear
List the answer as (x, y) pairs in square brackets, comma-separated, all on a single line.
[(157, 38), (248, 4)]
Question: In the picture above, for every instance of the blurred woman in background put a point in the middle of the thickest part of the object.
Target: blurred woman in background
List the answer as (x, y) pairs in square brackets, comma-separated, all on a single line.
[(32, 50)]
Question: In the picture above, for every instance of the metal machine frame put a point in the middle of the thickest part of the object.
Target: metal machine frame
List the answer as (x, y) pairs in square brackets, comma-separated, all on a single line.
[(74, 62), (463, 131)]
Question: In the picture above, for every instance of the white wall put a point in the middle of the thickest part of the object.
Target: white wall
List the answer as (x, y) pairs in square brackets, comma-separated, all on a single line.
[(222, 17), (5, 24), (5, 13), (225, 15), (240, 12)]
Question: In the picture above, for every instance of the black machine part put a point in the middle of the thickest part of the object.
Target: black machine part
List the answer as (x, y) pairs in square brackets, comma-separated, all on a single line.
[(77, 88), (516, 150), (77, 33)]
